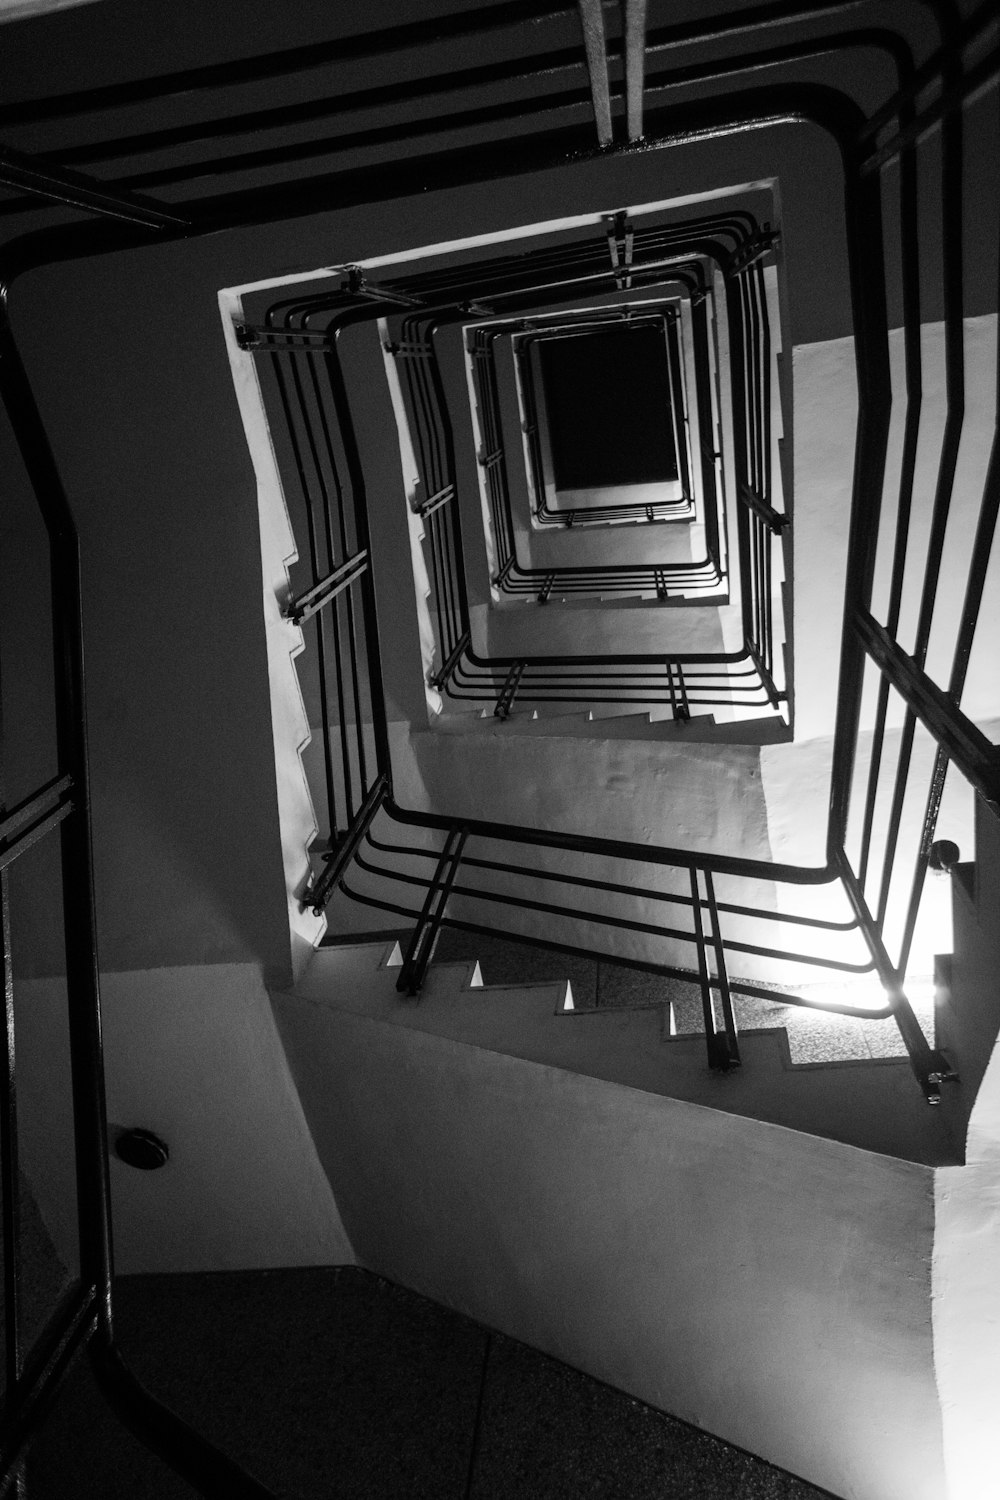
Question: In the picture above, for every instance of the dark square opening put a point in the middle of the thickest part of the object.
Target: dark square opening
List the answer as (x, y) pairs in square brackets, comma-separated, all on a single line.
[(607, 402)]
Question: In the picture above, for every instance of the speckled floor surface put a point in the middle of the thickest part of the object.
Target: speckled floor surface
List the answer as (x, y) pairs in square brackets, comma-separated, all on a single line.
[(813, 1036), (334, 1383)]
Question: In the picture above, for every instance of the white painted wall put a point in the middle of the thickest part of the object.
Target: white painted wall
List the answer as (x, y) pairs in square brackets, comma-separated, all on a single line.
[(193, 1055), (289, 722), (796, 780), (966, 1289), (400, 650), (981, 699), (704, 797), (967, 1304), (796, 777), (825, 405), (21, 10), (771, 1287), (692, 796), (656, 629)]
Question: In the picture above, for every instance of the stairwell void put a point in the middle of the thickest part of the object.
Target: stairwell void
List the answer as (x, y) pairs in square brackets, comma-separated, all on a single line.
[(502, 711), (608, 403)]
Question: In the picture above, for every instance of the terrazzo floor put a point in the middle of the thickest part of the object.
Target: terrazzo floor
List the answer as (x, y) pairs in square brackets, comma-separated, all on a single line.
[(813, 1036), (334, 1383)]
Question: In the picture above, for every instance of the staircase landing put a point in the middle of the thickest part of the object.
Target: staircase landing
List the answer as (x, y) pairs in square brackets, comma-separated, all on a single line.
[(334, 1381)]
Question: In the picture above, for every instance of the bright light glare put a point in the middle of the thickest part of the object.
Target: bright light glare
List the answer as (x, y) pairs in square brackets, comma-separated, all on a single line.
[(864, 992)]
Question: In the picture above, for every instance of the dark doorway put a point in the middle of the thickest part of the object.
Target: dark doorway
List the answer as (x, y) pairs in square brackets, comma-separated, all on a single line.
[(607, 400)]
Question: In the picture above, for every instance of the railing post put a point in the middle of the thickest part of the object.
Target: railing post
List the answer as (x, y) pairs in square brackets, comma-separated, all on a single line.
[(500, 578), (320, 889), (929, 1065), (440, 678), (411, 975), (305, 605), (678, 693), (722, 974), (684, 708), (719, 1058), (508, 692)]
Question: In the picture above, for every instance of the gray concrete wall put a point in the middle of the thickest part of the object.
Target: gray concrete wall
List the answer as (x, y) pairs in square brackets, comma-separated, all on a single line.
[(148, 439), (192, 1054)]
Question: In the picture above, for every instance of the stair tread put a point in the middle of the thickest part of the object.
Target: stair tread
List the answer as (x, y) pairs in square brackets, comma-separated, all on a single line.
[(813, 1036), (634, 1048)]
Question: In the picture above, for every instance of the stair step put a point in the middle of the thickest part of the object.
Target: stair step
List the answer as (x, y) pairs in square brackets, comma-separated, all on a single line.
[(360, 972), (641, 725), (527, 711), (538, 1023), (361, 978), (366, 966), (643, 599), (630, 723), (621, 710)]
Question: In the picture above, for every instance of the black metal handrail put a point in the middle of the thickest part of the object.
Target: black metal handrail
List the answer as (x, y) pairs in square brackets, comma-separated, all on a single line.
[(470, 676), (761, 525), (723, 1049), (641, 680), (459, 671), (517, 281), (926, 1063), (340, 673), (876, 868), (412, 868), (540, 72), (83, 1318), (511, 576), (930, 99)]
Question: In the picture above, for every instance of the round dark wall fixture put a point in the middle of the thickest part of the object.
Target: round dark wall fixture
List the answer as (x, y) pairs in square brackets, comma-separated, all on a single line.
[(142, 1149), (944, 855)]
